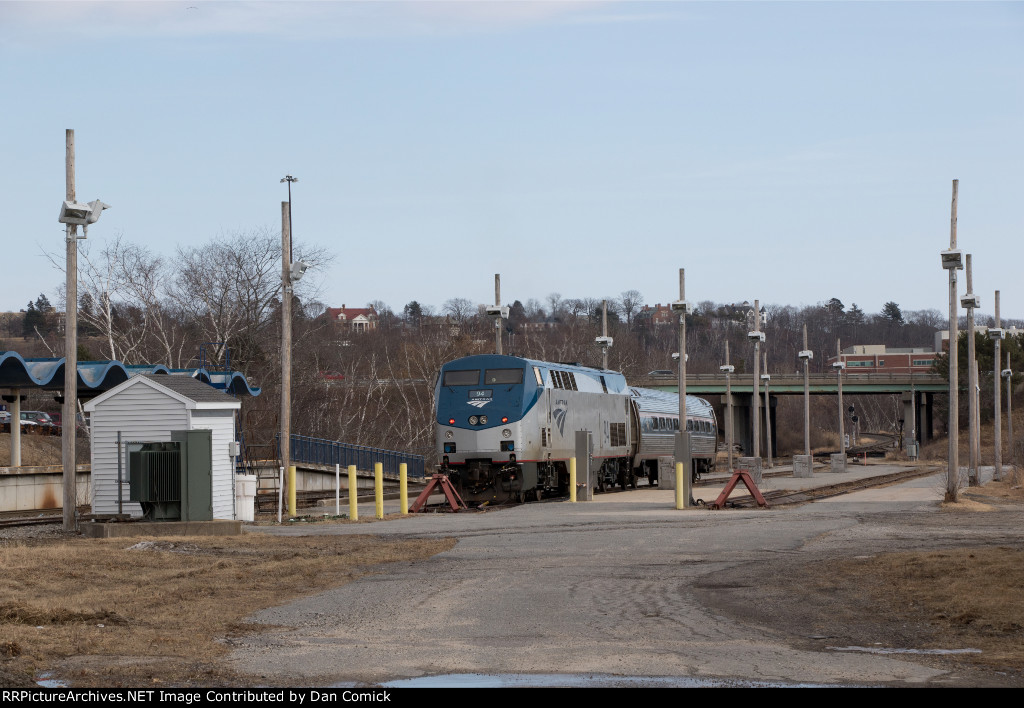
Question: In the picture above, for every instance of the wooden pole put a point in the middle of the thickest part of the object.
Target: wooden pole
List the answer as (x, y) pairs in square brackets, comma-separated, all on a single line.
[(807, 401), (1009, 423), (839, 388), (998, 442), (756, 390), (767, 414), (68, 416), (286, 337), (972, 386), (728, 415), (687, 471), (604, 333), (953, 465), (497, 320)]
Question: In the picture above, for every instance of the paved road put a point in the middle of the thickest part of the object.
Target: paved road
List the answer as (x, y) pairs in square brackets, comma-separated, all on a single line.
[(605, 587)]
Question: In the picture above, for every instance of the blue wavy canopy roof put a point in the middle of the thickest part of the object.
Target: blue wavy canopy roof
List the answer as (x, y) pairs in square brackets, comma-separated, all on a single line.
[(95, 377)]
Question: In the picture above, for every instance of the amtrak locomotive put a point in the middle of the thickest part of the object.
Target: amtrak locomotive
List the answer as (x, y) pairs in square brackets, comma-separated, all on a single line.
[(506, 427)]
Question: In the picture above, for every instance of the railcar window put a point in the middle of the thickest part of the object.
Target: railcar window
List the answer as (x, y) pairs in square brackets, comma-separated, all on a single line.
[(461, 378), (675, 424), (689, 425), (503, 376), (540, 377)]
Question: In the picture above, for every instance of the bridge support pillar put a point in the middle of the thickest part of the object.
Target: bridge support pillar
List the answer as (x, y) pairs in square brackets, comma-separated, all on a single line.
[(742, 427)]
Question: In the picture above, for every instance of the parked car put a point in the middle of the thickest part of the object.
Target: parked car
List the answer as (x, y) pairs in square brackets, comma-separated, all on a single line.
[(41, 423)]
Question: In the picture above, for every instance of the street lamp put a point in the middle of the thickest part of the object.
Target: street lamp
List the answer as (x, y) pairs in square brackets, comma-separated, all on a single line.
[(72, 215)]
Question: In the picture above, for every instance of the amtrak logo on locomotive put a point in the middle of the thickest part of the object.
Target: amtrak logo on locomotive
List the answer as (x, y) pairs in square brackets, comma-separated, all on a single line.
[(559, 414)]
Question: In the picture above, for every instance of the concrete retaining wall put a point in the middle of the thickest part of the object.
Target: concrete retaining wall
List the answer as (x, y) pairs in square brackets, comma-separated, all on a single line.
[(33, 488)]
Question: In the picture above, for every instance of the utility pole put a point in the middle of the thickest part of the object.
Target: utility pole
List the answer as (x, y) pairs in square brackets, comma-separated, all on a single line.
[(1007, 373), (728, 369), (806, 355), (757, 336), (951, 261), (997, 337), (286, 335), (497, 320), (767, 410), (69, 414), (970, 301), (604, 333), (839, 385), (683, 454)]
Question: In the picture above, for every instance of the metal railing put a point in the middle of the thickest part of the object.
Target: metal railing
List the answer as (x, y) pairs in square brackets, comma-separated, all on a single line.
[(318, 451)]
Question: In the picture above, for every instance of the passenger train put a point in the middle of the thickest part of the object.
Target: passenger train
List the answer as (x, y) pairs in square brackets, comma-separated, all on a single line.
[(506, 427)]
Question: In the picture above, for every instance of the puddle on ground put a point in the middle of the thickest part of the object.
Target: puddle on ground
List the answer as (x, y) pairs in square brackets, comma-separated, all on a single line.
[(581, 681), (45, 681)]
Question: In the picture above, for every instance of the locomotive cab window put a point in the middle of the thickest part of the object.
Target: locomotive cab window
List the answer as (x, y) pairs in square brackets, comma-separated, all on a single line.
[(503, 376), (461, 378)]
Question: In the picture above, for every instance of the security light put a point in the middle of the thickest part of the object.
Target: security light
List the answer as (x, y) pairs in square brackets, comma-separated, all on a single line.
[(839, 365), (970, 300), (78, 214), (727, 369), (682, 306), (766, 377), (604, 341), (297, 270), (675, 356), (805, 354), (755, 335), (1006, 373), (952, 258), (996, 333), (496, 311)]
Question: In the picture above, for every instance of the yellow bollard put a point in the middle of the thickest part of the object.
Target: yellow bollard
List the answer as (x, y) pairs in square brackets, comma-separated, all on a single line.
[(403, 486), (679, 486), (572, 479), (291, 491), (378, 487), (353, 494)]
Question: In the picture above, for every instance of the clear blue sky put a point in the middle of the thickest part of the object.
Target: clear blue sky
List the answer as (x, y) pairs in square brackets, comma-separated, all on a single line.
[(789, 152)]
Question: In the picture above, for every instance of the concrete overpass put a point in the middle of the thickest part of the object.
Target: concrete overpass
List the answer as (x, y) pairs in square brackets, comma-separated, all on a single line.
[(916, 391)]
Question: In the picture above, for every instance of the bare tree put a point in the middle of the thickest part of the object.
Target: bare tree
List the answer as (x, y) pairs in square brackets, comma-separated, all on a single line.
[(630, 302)]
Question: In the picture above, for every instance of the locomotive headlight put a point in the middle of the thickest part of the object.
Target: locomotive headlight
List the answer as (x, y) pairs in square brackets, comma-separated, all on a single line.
[(506, 433), (448, 435), (472, 420), (483, 420)]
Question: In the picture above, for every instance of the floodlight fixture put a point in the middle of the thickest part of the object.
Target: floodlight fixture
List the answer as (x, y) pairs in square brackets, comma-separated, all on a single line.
[(682, 306), (952, 259), (498, 311), (79, 214), (996, 333), (756, 336), (805, 354), (1006, 373), (297, 270), (604, 341), (839, 365), (727, 369), (766, 377), (970, 300), (675, 356)]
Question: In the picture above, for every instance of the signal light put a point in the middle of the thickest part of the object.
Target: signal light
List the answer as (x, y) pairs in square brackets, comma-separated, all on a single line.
[(451, 421), (504, 419)]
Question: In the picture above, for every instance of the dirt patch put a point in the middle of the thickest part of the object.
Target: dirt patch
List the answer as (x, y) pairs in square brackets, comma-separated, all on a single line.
[(956, 608), (134, 612)]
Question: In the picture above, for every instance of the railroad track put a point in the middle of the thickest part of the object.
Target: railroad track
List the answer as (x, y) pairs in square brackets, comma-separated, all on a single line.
[(782, 497)]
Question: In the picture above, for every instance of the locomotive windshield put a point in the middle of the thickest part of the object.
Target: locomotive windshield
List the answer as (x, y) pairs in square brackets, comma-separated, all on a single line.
[(461, 378), (503, 376)]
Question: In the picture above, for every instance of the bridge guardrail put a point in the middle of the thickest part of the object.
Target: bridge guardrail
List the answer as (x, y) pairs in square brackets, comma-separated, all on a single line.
[(319, 451)]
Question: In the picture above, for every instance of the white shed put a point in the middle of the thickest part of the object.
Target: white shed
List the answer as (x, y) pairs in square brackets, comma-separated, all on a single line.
[(147, 408)]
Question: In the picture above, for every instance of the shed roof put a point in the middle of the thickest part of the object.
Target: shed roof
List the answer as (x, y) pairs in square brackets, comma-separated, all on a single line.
[(192, 393)]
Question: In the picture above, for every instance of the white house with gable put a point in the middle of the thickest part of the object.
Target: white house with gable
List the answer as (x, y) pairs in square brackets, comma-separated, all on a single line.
[(147, 408)]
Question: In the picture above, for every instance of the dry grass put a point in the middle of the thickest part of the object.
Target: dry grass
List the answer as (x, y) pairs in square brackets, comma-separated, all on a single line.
[(961, 598), (36, 450), (136, 612)]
